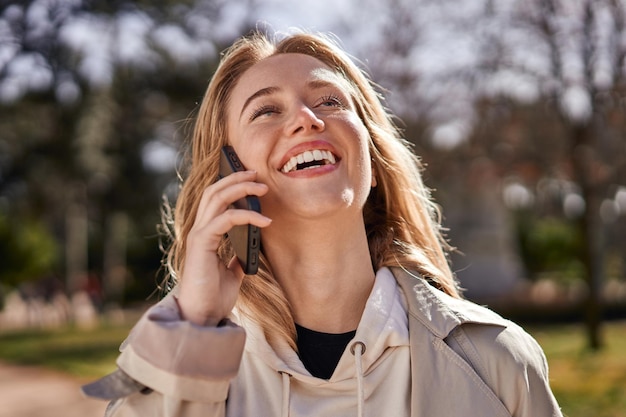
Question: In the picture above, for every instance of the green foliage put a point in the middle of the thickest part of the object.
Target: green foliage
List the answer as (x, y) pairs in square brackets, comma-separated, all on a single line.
[(27, 249), (550, 246)]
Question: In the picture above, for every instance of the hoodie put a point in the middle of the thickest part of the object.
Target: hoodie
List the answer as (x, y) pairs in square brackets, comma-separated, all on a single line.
[(374, 368)]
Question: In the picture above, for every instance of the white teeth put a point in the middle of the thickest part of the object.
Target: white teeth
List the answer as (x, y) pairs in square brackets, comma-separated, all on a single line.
[(309, 156)]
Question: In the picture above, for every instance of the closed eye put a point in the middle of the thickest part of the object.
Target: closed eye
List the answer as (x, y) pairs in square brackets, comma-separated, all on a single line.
[(331, 101), (264, 110)]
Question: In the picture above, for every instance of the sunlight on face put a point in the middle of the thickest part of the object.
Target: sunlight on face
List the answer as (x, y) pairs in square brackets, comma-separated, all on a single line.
[(292, 119)]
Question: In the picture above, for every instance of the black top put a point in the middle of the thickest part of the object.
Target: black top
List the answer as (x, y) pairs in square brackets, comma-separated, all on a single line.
[(320, 352)]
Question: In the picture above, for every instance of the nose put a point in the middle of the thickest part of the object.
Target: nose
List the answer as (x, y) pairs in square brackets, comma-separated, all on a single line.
[(304, 120)]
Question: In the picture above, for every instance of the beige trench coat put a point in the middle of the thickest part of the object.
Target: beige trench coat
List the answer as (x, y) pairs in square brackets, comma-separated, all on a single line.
[(465, 361)]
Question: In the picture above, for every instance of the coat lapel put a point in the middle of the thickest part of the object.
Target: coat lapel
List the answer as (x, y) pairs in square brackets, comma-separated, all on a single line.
[(443, 383)]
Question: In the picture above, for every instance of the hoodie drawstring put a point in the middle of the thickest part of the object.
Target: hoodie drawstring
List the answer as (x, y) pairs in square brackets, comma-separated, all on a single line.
[(358, 349), (285, 407)]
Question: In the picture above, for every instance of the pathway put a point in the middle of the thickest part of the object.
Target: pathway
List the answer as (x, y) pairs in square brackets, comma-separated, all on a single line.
[(36, 392)]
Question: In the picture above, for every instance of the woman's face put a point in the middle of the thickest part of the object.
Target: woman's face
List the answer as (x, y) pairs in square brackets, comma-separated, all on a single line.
[(291, 119)]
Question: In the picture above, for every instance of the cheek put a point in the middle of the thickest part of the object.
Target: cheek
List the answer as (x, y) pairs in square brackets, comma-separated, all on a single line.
[(359, 131), (252, 148), (363, 142), (365, 168), (237, 139), (249, 158)]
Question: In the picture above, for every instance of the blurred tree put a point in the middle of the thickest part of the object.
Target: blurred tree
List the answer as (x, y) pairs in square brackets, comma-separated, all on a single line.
[(29, 251), (574, 52), (94, 99), (424, 56), (536, 87)]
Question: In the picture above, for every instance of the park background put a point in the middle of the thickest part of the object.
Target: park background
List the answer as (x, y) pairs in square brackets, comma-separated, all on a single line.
[(517, 109)]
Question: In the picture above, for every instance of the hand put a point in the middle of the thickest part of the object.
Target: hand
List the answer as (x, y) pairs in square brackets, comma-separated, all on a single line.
[(208, 288)]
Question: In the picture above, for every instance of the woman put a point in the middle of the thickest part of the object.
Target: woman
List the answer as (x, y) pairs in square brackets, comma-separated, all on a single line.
[(354, 310)]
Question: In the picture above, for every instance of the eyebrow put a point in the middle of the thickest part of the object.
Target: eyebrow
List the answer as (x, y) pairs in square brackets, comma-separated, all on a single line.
[(262, 92)]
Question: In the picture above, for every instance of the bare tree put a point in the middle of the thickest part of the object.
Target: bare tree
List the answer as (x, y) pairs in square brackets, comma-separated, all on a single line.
[(583, 46), (450, 55)]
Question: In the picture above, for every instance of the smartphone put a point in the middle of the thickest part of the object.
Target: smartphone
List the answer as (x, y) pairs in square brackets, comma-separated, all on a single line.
[(246, 239)]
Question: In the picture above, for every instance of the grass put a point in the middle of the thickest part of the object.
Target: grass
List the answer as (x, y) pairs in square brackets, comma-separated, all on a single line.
[(586, 383), (82, 353)]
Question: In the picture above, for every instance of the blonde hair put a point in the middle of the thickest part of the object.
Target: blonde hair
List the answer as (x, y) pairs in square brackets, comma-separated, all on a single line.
[(402, 222)]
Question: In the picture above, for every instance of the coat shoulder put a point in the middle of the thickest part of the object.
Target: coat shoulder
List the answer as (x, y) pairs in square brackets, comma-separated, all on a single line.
[(439, 312)]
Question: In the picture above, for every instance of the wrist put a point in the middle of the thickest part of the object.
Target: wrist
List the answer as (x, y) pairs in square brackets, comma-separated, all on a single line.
[(196, 317)]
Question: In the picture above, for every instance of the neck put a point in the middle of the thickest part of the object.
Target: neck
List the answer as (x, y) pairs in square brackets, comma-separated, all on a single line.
[(324, 270)]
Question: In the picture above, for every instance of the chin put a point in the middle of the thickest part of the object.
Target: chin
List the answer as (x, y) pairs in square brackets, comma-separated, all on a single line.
[(312, 203)]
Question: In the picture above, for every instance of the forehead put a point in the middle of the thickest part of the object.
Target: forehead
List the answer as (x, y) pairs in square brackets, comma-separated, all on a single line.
[(284, 70)]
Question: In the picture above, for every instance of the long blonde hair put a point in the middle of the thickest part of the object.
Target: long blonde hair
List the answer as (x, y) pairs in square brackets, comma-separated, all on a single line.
[(402, 223)]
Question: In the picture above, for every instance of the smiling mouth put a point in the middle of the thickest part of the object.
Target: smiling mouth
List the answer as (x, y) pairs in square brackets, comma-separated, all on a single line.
[(308, 160)]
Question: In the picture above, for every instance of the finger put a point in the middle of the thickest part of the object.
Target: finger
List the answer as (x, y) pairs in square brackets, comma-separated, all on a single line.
[(237, 191), (220, 202), (237, 217), (209, 235), (223, 183), (234, 178), (217, 199)]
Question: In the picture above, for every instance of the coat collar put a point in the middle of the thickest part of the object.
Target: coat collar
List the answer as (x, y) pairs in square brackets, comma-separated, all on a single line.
[(436, 310)]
